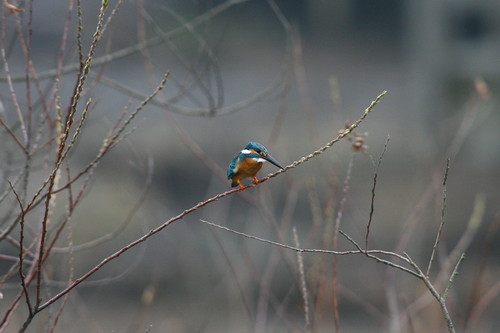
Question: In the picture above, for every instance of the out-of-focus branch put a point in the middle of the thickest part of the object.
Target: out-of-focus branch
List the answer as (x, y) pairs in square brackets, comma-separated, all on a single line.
[(12, 9), (156, 40)]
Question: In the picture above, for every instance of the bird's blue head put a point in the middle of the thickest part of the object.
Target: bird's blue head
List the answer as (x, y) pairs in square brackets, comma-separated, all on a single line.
[(256, 150), (257, 147)]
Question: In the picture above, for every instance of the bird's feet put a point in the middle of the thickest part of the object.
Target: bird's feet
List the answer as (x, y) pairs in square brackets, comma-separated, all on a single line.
[(255, 180), (241, 186)]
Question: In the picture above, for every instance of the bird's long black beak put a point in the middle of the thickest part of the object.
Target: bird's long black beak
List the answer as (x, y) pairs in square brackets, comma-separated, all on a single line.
[(273, 161)]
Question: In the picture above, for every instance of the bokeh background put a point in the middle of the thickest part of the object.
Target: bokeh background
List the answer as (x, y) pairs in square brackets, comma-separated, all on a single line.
[(313, 65)]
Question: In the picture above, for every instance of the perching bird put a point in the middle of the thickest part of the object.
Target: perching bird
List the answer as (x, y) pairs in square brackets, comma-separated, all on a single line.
[(248, 162)]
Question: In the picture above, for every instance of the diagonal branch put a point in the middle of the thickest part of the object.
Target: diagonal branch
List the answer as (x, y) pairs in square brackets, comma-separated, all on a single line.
[(180, 216), (21, 250)]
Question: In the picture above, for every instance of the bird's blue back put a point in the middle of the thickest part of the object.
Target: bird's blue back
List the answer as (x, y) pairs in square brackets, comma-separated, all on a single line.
[(232, 165)]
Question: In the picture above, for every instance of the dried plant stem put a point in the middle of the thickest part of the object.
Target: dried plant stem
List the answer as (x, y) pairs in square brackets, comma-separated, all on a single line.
[(22, 276), (453, 275), (441, 225), (372, 203)]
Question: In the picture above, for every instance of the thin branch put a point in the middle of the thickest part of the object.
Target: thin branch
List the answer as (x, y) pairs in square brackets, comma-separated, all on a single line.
[(342, 134), (210, 111), (21, 251), (204, 49), (108, 144), (180, 216), (453, 275), (370, 253), (156, 40), (120, 227), (61, 151), (441, 225), (372, 206), (79, 66), (334, 252), (13, 136)]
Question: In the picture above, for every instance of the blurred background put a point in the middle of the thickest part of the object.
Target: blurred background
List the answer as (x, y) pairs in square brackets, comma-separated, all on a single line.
[(290, 75)]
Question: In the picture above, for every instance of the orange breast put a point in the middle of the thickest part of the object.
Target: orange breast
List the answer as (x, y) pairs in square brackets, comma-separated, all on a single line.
[(247, 168)]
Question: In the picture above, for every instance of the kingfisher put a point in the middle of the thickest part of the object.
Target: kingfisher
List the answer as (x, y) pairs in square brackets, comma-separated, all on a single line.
[(248, 162)]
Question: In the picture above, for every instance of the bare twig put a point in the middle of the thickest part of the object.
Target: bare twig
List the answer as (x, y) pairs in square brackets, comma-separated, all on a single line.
[(180, 216), (206, 16), (21, 251), (214, 108), (342, 134), (441, 225), (358, 250), (452, 276), (13, 135), (120, 227), (370, 254), (372, 206)]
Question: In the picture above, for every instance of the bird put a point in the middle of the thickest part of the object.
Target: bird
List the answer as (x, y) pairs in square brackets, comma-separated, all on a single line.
[(247, 162)]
